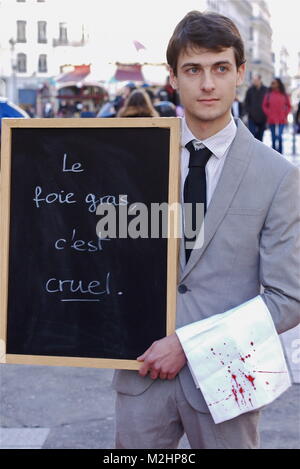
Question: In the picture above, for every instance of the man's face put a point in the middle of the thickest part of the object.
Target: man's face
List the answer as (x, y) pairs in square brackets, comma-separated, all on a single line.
[(256, 81), (206, 82)]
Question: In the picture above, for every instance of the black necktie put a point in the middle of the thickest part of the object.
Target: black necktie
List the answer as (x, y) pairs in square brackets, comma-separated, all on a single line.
[(195, 184)]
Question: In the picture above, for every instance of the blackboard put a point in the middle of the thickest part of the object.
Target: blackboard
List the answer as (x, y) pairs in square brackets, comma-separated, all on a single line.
[(69, 295)]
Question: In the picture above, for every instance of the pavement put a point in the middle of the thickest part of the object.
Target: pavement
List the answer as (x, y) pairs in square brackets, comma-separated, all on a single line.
[(288, 145), (71, 408)]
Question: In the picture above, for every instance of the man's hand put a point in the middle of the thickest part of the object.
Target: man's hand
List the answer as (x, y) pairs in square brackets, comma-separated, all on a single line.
[(164, 358)]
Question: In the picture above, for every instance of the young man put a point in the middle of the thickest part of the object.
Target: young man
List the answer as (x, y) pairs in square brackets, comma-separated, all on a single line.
[(251, 239)]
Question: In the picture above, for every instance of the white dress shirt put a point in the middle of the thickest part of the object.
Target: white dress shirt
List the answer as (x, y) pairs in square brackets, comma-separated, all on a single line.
[(218, 144)]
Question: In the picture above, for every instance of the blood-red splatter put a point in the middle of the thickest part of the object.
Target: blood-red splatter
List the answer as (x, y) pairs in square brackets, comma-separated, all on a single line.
[(250, 379), (218, 402), (234, 377), (242, 391), (235, 396), (240, 378), (246, 356)]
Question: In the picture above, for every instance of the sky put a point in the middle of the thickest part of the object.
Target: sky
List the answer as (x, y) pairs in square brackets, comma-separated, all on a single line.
[(150, 23)]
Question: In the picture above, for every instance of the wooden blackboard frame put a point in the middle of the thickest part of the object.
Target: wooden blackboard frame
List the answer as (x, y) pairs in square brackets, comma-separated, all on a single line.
[(8, 125)]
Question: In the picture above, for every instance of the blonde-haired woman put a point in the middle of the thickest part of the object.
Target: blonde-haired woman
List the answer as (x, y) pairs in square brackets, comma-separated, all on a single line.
[(138, 104)]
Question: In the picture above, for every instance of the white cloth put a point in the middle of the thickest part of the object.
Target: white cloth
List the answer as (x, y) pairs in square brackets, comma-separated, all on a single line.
[(236, 359), (218, 144)]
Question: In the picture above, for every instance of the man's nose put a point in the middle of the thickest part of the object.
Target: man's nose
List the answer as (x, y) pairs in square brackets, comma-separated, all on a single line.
[(207, 83)]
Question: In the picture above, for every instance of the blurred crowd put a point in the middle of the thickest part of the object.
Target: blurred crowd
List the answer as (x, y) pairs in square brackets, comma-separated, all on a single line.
[(268, 107), (263, 107), (155, 101)]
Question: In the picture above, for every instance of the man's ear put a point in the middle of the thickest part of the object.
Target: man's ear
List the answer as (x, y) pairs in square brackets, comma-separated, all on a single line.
[(173, 79), (241, 74)]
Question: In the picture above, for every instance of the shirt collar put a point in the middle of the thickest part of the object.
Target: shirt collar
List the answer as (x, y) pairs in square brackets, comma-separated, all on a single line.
[(218, 143)]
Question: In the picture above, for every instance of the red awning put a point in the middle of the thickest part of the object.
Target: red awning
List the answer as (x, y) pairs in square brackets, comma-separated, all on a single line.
[(79, 73), (129, 72)]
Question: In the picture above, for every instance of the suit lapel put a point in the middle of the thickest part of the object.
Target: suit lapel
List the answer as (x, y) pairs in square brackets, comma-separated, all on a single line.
[(236, 163)]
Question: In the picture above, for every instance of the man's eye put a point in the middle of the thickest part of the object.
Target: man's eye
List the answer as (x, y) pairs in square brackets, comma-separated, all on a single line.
[(193, 70), (222, 68)]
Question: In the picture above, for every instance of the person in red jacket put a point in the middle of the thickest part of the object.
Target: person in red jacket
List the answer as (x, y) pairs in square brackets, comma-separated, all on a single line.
[(276, 106)]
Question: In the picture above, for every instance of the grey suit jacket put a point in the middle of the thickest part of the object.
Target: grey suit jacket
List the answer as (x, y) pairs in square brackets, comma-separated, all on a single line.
[(251, 239)]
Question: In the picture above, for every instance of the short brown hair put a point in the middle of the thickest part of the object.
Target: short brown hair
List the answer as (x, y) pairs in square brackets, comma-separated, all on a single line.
[(207, 30)]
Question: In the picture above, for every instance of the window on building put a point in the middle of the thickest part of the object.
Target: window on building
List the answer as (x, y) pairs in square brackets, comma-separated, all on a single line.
[(273, 57), (42, 31), (42, 66), (21, 63), (63, 33), (21, 31)]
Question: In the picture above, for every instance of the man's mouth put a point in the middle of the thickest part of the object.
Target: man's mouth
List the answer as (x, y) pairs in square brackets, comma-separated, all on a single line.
[(208, 100)]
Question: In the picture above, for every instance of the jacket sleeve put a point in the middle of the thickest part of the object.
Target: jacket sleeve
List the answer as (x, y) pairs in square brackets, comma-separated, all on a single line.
[(279, 254)]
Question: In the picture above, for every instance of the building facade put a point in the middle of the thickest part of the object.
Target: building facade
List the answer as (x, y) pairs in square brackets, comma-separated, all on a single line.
[(260, 42), (36, 37)]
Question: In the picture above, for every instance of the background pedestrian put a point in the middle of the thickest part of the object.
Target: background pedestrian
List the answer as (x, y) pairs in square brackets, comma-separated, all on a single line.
[(237, 108), (138, 104), (297, 119), (276, 106), (86, 112), (253, 107), (124, 93)]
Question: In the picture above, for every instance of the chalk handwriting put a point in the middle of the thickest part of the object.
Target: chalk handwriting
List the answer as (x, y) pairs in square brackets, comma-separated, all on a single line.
[(71, 286), (75, 168), (93, 201), (60, 197), (78, 244)]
